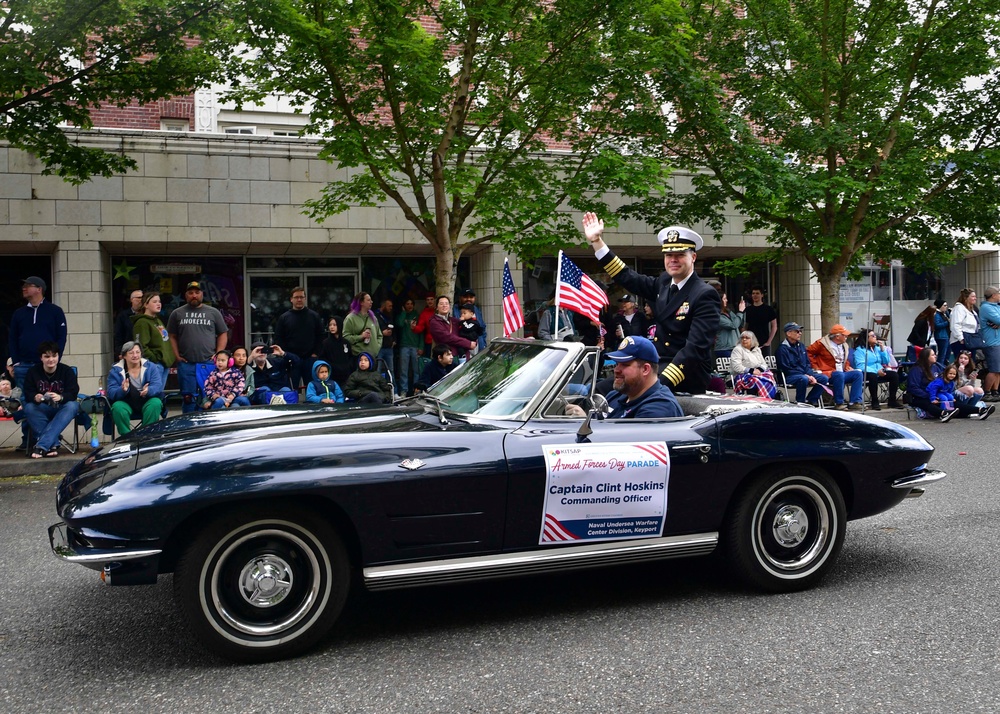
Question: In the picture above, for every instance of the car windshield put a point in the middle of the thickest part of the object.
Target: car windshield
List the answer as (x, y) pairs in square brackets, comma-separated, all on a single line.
[(502, 381)]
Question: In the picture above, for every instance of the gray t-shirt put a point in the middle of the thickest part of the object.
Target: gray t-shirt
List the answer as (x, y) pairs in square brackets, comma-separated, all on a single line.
[(196, 330)]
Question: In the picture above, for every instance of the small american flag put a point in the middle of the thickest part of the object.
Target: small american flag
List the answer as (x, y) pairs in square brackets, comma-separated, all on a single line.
[(513, 317), (576, 291)]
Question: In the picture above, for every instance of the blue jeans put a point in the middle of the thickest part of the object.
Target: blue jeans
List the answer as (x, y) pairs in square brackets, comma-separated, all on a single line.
[(21, 371), (855, 379), (943, 349), (408, 370), (240, 401), (801, 383), (48, 421)]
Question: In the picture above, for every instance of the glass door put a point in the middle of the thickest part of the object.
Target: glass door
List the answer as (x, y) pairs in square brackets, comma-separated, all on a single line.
[(328, 294), (331, 295)]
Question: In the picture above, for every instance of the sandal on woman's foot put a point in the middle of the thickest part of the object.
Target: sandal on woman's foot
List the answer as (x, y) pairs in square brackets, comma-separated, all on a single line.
[(52, 452), (37, 453)]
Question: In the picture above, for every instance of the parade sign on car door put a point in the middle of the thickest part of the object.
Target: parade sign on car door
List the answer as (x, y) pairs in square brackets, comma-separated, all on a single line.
[(604, 491)]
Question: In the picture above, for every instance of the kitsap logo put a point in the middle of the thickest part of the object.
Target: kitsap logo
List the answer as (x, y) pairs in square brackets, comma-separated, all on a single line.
[(558, 452)]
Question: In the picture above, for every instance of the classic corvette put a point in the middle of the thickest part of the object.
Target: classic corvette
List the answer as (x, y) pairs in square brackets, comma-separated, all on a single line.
[(268, 516)]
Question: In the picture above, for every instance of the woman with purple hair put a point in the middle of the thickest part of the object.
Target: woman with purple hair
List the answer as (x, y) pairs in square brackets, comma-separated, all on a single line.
[(361, 327)]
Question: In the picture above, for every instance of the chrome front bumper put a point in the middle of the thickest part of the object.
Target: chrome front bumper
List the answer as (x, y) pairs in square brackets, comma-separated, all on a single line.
[(117, 566), (916, 482)]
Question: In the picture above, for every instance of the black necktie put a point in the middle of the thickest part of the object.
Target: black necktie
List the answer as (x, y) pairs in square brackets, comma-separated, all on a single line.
[(672, 291)]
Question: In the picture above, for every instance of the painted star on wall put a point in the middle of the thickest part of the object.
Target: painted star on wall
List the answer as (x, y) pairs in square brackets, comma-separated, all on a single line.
[(123, 270)]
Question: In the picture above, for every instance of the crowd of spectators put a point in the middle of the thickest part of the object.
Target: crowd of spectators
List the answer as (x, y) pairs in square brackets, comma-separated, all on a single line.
[(375, 355)]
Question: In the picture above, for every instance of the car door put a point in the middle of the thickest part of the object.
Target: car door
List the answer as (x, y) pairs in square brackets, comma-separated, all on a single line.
[(693, 458), (444, 494)]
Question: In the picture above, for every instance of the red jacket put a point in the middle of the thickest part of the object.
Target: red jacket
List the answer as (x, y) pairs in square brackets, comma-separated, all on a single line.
[(425, 315), (821, 356)]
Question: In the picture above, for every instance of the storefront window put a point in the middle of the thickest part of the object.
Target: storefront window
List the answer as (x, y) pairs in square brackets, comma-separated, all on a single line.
[(221, 279)]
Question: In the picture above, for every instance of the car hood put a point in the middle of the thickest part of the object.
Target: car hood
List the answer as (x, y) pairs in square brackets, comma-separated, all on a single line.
[(217, 427)]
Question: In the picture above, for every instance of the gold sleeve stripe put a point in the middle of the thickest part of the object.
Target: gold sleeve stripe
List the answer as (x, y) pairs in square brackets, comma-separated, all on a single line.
[(673, 373), (615, 266)]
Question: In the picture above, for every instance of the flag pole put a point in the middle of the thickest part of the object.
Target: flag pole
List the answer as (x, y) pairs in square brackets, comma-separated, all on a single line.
[(555, 332)]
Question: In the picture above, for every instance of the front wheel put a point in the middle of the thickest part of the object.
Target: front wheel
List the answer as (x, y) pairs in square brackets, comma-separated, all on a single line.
[(786, 529), (260, 585)]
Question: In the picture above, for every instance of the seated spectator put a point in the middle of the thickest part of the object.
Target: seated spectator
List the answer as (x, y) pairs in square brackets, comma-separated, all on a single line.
[(794, 364), (921, 375), (874, 360), (10, 406), (135, 387), (637, 389), (830, 355), (13, 405), (322, 389), (241, 359), (442, 362), (366, 385), (50, 392), (966, 390), (749, 368), (10, 401), (941, 390), (224, 386), (272, 369)]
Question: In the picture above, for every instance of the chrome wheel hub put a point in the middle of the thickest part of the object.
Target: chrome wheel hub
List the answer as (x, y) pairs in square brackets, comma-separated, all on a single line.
[(265, 581), (791, 526)]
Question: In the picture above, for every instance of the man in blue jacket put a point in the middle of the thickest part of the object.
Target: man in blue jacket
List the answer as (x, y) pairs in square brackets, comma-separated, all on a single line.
[(794, 364), (637, 391), (37, 322)]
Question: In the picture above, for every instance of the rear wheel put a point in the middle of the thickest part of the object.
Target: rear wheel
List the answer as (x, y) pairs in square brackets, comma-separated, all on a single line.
[(263, 584), (786, 529)]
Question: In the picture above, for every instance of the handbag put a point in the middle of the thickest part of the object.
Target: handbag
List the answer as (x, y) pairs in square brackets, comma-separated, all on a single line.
[(974, 340)]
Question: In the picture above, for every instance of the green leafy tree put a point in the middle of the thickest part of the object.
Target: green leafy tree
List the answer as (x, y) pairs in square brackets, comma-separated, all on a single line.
[(449, 109), (863, 127), (60, 59)]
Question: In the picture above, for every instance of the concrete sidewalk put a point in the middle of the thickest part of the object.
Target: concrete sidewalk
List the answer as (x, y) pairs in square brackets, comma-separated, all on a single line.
[(15, 463)]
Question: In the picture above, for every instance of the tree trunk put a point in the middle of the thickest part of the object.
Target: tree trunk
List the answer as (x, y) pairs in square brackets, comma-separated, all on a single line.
[(446, 271), (829, 306)]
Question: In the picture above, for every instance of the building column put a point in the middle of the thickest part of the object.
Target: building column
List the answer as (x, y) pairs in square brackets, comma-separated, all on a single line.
[(799, 298), (83, 290)]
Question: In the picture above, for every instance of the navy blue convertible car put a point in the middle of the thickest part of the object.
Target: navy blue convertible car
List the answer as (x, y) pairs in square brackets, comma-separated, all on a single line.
[(268, 516)]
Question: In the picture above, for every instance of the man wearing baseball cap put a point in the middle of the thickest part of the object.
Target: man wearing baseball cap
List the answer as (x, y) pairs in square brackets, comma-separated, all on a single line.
[(798, 372), (637, 391), (685, 308), (197, 333), (36, 322), (467, 298), (629, 320), (831, 356)]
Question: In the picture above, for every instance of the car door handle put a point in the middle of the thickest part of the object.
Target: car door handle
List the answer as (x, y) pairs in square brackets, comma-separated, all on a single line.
[(700, 448)]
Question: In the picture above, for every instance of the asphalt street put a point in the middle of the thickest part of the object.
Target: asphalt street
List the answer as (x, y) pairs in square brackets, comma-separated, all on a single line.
[(906, 622)]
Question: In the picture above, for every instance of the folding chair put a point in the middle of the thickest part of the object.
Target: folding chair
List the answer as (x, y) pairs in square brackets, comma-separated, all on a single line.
[(382, 366), (772, 364), (722, 369)]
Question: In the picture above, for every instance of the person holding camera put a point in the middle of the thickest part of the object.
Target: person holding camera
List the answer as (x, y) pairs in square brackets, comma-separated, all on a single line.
[(50, 392), (272, 370), (872, 358)]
